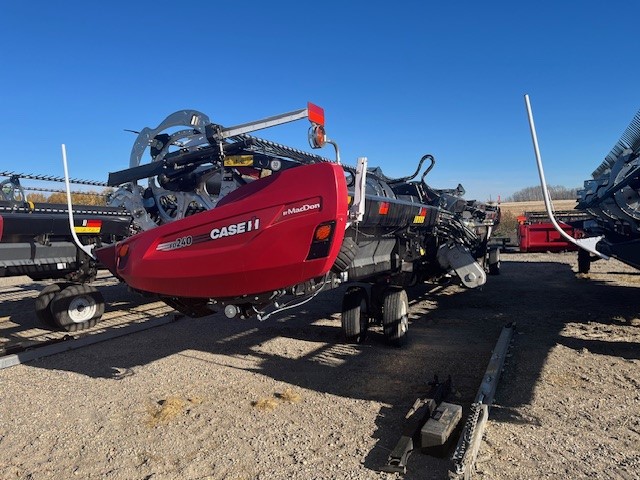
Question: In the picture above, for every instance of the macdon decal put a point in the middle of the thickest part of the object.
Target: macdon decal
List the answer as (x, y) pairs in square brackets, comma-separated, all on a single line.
[(302, 208), (177, 243), (235, 229)]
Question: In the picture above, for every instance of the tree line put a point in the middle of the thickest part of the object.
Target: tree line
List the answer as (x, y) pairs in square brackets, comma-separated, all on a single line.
[(89, 198), (532, 194)]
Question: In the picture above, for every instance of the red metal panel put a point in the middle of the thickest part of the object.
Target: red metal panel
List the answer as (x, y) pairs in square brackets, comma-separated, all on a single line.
[(543, 237), (315, 114), (256, 240)]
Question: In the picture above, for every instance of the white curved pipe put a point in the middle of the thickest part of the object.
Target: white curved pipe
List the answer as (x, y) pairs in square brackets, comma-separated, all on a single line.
[(588, 244), (84, 248)]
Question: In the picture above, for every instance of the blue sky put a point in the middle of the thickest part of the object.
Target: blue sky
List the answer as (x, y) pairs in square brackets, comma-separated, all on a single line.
[(396, 79)]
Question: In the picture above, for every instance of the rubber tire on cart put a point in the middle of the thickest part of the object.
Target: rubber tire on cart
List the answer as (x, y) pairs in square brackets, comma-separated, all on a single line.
[(77, 307), (584, 261), (494, 261), (355, 314), (43, 302), (347, 253), (395, 315)]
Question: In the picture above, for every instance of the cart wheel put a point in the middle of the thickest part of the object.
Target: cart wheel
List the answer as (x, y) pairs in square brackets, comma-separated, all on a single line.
[(494, 261), (43, 302), (77, 307), (347, 253), (584, 261), (395, 315), (355, 314)]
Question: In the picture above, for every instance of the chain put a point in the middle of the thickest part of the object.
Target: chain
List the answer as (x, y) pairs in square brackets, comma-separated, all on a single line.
[(458, 456), (51, 178), (53, 190)]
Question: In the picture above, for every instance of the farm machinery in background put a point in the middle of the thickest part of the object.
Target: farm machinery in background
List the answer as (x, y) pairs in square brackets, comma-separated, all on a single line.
[(225, 220), (35, 240), (611, 199), (536, 233)]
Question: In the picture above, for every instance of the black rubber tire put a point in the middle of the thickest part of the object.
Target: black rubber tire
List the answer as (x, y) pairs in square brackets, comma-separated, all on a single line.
[(77, 307), (494, 262), (43, 302), (395, 316), (347, 253), (584, 261), (355, 314)]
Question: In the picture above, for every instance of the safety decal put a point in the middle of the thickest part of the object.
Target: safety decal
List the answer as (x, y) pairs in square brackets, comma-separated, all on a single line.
[(89, 226), (421, 216)]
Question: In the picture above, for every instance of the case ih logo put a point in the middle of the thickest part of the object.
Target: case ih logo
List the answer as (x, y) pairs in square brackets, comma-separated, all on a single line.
[(235, 229), (301, 209)]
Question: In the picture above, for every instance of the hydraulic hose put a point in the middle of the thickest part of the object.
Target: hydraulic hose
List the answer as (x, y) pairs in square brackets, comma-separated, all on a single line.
[(415, 174)]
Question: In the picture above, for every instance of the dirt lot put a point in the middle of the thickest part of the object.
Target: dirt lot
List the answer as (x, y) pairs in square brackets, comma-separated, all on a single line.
[(239, 399)]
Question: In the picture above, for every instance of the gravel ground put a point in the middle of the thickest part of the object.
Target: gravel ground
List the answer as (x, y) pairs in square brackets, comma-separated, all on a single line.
[(239, 399)]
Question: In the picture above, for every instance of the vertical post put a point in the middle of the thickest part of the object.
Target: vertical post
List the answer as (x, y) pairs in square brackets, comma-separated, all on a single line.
[(357, 209), (82, 247)]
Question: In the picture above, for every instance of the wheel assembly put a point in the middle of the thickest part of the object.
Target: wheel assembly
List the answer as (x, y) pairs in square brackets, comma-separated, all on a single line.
[(77, 307), (584, 261), (395, 315), (43, 302), (494, 261), (355, 314)]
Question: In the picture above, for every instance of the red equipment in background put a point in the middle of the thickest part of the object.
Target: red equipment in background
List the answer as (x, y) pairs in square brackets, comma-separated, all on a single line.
[(537, 234)]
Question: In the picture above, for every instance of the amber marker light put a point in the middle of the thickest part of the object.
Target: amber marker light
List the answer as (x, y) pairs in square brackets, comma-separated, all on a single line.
[(123, 250), (322, 233), (317, 136), (321, 243)]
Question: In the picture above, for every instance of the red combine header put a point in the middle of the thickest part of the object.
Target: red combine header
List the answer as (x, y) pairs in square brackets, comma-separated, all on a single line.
[(225, 220)]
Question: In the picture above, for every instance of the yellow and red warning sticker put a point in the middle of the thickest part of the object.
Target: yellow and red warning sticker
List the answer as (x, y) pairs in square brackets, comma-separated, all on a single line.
[(422, 214), (238, 161), (89, 226)]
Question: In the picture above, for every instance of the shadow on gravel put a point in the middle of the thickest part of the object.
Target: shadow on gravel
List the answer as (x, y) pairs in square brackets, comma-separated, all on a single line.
[(626, 350), (550, 296), (452, 333)]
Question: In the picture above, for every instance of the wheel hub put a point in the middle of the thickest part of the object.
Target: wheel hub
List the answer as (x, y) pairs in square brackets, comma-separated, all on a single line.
[(82, 308)]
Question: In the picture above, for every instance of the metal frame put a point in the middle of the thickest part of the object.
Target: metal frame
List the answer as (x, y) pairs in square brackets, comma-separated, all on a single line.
[(71, 343)]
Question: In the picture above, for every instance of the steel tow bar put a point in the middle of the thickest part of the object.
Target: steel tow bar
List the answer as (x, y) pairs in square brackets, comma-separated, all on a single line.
[(466, 451)]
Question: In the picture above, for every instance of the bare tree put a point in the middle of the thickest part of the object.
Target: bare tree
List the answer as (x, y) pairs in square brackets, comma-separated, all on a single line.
[(89, 198), (36, 197), (532, 194)]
